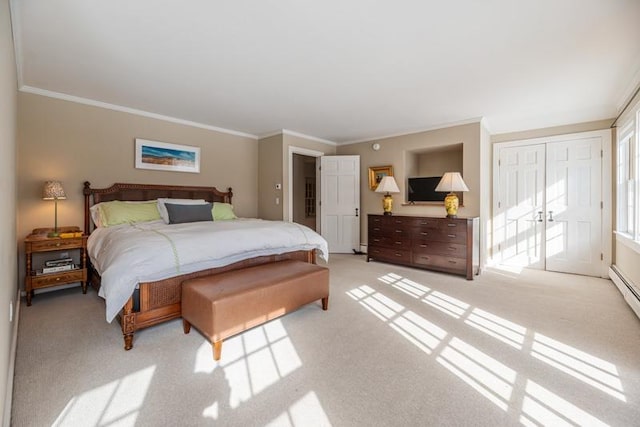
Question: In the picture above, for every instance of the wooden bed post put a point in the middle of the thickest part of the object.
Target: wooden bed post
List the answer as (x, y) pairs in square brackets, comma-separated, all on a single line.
[(87, 193), (128, 323)]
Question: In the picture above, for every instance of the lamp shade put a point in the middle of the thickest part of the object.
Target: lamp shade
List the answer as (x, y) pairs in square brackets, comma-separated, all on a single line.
[(452, 181), (53, 191), (387, 185)]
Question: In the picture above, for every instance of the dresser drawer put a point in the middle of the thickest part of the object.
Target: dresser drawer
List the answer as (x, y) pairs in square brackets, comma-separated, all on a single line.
[(54, 279), (390, 242), (393, 232), (424, 223), (388, 254), (56, 245), (440, 262), (439, 248)]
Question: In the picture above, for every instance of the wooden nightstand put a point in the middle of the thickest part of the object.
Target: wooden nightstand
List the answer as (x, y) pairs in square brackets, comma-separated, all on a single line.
[(38, 243)]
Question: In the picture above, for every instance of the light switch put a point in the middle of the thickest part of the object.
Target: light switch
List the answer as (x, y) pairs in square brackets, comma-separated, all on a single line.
[(277, 200)]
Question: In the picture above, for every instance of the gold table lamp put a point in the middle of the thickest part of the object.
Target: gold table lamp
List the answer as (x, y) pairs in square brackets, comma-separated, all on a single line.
[(387, 185), (450, 182)]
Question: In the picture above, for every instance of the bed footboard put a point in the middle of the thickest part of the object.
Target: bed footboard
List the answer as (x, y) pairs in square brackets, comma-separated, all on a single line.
[(160, 301)]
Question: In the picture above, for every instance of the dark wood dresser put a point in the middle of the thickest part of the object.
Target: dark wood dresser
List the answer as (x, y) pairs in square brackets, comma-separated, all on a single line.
[(450, 245)]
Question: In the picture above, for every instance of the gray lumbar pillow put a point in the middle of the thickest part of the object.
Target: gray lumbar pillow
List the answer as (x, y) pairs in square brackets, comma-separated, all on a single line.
[(179, 214)]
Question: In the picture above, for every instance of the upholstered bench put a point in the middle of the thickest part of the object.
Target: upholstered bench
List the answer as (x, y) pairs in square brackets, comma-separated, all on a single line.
[(225, 304)]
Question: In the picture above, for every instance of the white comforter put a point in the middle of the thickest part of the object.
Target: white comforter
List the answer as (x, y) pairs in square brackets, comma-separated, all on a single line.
[(128, 254)]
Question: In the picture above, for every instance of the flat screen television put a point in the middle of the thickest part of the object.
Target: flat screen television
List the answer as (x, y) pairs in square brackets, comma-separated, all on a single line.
[(423, 189)]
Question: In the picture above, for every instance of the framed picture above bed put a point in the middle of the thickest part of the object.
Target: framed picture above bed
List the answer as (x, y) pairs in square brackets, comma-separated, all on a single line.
[(167, 157)]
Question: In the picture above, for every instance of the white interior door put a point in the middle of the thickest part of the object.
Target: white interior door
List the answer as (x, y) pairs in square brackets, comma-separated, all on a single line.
[(574, 210), (521, 227), (340, 202), (548, 210)]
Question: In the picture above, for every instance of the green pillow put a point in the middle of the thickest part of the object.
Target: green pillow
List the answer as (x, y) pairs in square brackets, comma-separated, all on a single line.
[(117, 212), (223, 211)]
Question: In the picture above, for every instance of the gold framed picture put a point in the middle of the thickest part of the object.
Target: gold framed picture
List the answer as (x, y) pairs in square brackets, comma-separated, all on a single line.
[(377, 173)]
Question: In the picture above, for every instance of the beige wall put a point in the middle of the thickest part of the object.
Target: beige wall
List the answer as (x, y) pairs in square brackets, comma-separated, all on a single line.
[(8, 250), (270, 173), (74, 143), (436, 164), (398, 152)]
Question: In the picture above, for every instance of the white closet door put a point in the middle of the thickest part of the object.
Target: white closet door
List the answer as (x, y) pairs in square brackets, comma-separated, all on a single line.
[(574, 212), (519, 225)]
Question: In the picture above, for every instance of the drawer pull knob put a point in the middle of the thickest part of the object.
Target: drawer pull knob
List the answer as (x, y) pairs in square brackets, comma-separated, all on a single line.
[(398, 243), (452, 262), (451, 235), (424, 233), (57, 279), (398, 231), (58, 244), (451, 249), (451, 225), (397, 254), (423, 246)]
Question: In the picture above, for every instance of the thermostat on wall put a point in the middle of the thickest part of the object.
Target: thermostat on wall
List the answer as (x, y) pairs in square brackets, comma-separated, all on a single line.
[(375, 146)]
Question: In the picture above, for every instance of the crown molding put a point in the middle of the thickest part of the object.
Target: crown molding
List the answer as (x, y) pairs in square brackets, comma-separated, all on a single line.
[(298, 134), (312, 138), (435, 127), (100, 104), (629, 90), (17, 39)]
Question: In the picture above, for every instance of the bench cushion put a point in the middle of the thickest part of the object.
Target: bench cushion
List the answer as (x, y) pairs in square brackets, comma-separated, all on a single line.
[(225, 304)]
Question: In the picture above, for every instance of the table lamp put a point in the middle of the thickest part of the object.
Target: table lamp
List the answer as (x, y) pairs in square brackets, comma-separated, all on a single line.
[(451, 181), (387, 185), (53, 191)]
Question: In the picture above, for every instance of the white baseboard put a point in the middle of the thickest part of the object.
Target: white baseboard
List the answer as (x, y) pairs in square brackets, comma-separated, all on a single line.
[(629, 291), (6, 419), (363, 248)]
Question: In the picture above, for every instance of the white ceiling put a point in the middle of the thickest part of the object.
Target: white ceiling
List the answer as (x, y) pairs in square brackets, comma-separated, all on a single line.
[(340, 70)]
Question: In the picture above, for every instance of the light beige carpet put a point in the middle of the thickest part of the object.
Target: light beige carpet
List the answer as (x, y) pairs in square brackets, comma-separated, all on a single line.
[(398, 346)]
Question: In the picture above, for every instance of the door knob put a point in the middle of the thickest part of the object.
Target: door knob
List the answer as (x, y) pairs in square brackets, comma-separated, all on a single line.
[(356, 212), (540, 218), (550, 216)]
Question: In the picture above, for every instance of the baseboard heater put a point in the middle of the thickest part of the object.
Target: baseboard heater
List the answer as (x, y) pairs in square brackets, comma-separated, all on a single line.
[(630, 293)]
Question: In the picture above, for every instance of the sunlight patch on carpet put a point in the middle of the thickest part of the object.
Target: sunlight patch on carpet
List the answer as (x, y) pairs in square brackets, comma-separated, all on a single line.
[(589, 369), (306, 411), (543, 407), (118, 402), (252, 361)]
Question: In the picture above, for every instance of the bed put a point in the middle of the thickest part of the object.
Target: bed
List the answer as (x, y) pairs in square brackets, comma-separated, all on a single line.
[(154, 296)]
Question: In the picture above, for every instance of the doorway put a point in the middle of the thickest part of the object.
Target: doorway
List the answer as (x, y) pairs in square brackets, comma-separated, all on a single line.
[(304, 190), (549, 203)]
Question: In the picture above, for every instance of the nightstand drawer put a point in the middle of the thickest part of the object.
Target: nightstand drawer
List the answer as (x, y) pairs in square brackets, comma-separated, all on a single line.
[(54, 279), (56, 244)]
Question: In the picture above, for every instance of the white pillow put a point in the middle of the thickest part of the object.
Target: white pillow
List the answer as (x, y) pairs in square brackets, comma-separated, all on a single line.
[(163, 210), (96, 216)]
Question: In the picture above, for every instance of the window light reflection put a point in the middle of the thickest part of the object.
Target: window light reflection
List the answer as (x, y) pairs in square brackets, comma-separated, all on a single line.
[(589, 369), (543, 407)]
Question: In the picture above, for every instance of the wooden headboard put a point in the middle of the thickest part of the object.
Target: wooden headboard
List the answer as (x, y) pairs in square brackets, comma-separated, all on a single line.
[(140, 192)]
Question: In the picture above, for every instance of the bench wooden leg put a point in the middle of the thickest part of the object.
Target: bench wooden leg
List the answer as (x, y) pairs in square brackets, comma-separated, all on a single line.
[(217, 350), (186, 326), (325, 303)]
